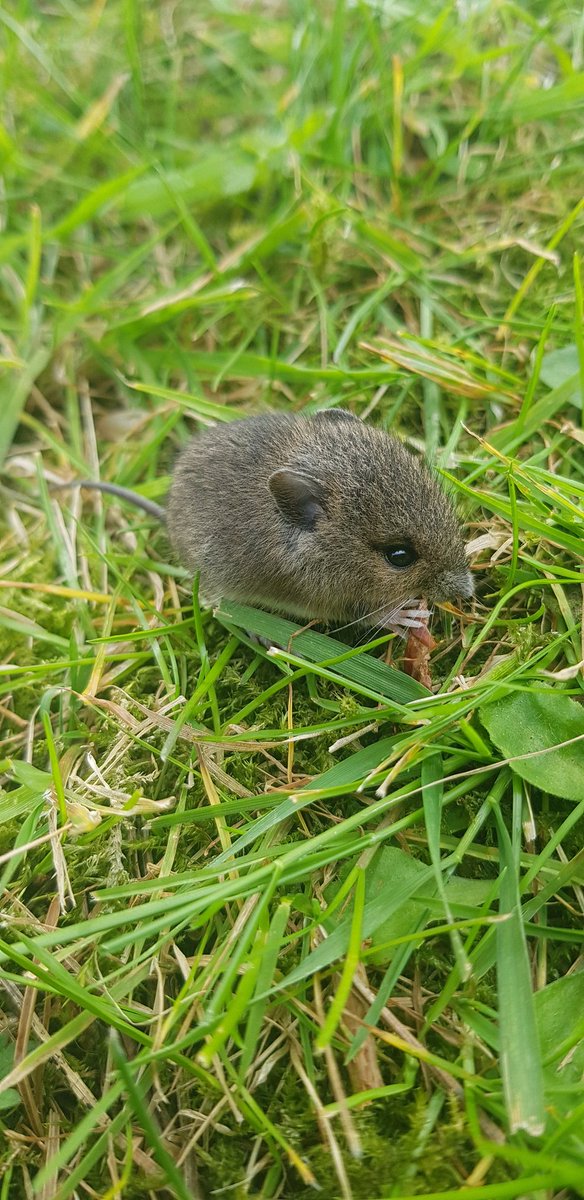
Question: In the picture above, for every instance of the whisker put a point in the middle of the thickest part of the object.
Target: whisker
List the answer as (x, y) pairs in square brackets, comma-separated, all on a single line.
[(358, 620), (390, 615), (383, 625), (375, 631)]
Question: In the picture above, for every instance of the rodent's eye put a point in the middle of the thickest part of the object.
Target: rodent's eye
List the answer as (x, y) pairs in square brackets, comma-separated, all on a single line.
[(399, 555)]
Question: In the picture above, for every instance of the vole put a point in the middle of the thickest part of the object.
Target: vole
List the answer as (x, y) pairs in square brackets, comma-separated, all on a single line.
[(319, 517)]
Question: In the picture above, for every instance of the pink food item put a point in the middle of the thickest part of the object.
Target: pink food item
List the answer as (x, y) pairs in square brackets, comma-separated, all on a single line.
[(422, 634), (416, 661)]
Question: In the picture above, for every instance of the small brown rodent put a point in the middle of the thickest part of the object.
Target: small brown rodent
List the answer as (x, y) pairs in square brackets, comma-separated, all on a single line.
[(318, 517)]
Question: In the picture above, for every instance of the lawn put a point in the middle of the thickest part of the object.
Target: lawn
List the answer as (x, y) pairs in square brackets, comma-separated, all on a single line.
[(278, 920)]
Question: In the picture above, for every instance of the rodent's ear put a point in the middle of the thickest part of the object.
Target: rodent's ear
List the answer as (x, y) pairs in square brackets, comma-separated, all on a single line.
[(337, 414), (299, 497)]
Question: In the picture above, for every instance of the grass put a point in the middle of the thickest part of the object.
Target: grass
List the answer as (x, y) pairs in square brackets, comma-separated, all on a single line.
[(278, 921)]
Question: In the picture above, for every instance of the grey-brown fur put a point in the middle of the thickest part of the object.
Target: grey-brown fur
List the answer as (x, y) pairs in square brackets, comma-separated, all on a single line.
[(288, 511)]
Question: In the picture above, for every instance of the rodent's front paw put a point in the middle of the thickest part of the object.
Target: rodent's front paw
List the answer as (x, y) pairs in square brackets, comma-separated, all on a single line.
[(400, 620)]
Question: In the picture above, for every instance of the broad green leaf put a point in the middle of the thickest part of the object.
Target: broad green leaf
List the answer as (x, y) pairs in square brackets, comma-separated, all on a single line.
[(463, 897), (562, 366), (379, 906), (393, 864), (363, 669), (10, 1099), (527, 723), (559, 1009)]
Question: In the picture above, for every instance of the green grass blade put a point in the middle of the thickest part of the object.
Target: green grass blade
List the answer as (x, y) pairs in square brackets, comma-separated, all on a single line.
[(520, 1052)]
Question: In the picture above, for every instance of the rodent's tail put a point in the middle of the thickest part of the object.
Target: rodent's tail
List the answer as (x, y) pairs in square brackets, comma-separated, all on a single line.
[(114, 489)]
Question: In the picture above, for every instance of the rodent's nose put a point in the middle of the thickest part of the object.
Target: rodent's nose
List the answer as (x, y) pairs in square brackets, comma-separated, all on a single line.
[(457, 583)]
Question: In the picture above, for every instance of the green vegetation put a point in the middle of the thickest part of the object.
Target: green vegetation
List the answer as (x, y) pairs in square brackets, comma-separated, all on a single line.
[(278, 920)]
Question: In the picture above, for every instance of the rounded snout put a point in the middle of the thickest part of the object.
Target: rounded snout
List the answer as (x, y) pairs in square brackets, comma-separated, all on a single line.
[(455, 583)]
